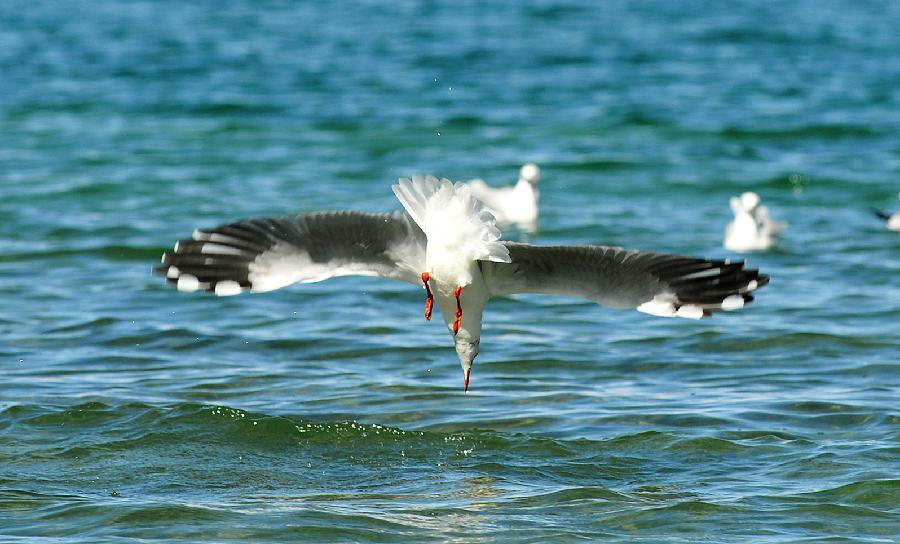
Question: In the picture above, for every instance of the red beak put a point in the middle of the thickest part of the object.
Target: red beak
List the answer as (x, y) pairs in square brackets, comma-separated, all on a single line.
[(466, 380)]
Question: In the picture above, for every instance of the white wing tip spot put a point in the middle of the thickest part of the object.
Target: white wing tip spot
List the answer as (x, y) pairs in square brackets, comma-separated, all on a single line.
[(228, 288), (658, 306), (690, 311), (188, 283), (752, 285), (173, 272), (733, 302)]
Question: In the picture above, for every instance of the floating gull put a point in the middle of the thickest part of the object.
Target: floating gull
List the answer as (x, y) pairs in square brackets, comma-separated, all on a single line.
[(752, 228), (447, 243), (892, 221), (516, 205)]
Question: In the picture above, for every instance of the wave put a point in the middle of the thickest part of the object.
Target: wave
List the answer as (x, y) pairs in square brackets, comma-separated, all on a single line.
[(872, 493), (132, 463), (828, 131), (133, 425), (113, 252), (801, 339)]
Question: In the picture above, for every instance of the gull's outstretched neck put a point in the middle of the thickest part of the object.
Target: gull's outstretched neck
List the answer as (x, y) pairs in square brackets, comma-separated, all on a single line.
[(467, 351)]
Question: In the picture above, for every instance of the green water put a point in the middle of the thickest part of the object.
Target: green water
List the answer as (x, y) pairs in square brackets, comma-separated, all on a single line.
[(332, 412)]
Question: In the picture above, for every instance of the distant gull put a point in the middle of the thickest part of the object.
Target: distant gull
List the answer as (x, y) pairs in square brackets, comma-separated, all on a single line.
[(752, 228), (892, 221), (447, 243), (516, 205)]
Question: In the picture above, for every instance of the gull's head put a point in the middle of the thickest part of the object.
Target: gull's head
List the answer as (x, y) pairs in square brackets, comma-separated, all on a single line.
[(749, 200), (530, 172), (467, 352)]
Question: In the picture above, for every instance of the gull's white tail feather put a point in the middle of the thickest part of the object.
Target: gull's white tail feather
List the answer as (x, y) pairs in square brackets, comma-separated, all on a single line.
[(451, 218), (414, 194)]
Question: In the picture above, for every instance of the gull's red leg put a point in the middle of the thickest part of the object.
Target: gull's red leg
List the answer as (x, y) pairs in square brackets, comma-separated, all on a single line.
[(458, 319), (429, 298)]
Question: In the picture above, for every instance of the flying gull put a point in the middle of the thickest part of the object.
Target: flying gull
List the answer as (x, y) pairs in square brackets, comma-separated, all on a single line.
[(752, 228), (516, 205), (447, 243)]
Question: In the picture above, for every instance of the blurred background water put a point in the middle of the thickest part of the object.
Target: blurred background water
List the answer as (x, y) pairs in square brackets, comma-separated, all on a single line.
[(332, 412)]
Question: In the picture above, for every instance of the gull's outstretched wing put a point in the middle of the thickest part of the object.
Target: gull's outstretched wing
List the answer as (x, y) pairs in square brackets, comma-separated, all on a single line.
[(665, 285), (267, 253)]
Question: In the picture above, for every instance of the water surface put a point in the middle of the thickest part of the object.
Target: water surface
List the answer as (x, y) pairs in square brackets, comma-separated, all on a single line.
[(332, 412)]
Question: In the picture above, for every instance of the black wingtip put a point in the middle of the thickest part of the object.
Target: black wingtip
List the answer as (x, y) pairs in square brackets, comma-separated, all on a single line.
[(162, 269), (880, 214), (711, 285), (190, 268)]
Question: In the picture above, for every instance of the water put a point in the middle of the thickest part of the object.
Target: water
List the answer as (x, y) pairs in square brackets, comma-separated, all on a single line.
[(332, 411)]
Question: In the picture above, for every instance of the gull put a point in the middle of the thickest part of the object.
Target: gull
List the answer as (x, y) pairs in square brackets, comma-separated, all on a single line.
[(752, 228), (516, 205), (892, 221), (447, 243)]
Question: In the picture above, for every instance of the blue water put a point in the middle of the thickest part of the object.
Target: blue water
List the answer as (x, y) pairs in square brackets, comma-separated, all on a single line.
[(130, 412)]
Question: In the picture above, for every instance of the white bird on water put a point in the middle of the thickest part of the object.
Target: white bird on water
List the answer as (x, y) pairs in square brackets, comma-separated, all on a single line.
[(752, 228), (516, 205), (891, 221), (448, 244)]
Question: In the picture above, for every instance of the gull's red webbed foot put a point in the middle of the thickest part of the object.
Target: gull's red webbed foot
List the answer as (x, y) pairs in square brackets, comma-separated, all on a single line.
[(429, 298), (458, 319)]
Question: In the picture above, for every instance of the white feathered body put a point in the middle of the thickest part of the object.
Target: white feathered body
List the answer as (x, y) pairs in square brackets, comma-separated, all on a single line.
[(752, 228), (893, 222), (745, 234), (459, 232), (516, 205)]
